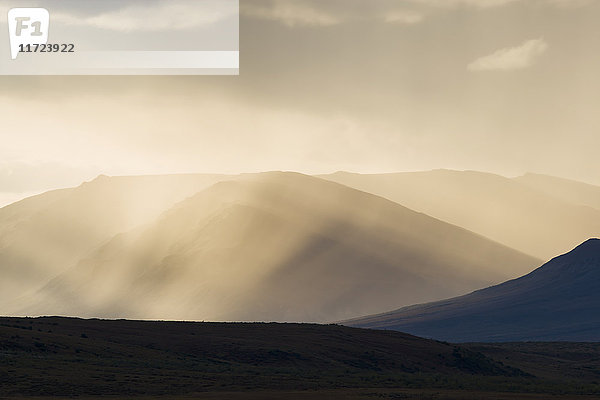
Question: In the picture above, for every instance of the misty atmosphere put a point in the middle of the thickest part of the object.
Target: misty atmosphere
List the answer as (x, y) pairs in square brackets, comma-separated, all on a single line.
[(395, 198)]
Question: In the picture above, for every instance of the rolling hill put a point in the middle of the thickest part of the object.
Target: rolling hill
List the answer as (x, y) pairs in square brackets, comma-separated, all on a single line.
[(143, 358), (541, 217), (560, 301), (44, 235), (567, 190), (95, 359), (277, 246)]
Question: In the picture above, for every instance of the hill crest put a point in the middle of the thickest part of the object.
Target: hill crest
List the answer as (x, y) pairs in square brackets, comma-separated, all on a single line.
[(559, 301)]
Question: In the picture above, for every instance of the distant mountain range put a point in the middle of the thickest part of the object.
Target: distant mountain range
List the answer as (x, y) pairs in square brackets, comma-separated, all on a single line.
[(280, 246), (564, 189), (273, 246), (536, 214), (559, 301)]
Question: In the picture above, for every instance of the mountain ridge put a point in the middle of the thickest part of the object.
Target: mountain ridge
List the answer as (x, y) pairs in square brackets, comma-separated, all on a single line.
[(569, 190), (42, 236), (288, 246), (509, 211), (558, 301)]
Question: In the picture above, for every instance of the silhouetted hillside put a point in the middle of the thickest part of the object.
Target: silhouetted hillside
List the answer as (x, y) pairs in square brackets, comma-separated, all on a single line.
[(129, 359), (559, 301)]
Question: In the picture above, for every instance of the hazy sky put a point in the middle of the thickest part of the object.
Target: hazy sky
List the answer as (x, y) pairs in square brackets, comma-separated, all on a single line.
[(506, 86)]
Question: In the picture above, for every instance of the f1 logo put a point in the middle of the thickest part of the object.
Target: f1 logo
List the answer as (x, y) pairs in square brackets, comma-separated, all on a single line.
[(27, 26)]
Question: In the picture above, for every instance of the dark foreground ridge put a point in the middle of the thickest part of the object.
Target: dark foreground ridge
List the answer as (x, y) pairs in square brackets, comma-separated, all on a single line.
[(560, 301), (73, 357)]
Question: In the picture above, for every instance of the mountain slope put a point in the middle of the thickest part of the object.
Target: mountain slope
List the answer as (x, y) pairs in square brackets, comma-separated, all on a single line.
[(559, 301), (564, 189), (278, 246), (44, 235), (499, 208)]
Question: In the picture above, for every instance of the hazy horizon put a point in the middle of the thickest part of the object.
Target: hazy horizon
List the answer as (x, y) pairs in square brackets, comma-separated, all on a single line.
[(8, 198), (390, 86)]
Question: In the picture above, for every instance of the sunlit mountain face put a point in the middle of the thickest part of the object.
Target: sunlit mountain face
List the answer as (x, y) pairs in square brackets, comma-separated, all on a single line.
[(42, 236), (272, 246)]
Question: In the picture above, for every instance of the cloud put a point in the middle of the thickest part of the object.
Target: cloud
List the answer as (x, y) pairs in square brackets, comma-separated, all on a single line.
[(511, 58), (570, 3), (457, 3), (318, 13), (156, 16), (403, 17), (291, 13), (498, 3), (310, 13)]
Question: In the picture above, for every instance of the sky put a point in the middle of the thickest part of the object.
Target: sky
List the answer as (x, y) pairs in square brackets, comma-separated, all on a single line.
[(504, 86)]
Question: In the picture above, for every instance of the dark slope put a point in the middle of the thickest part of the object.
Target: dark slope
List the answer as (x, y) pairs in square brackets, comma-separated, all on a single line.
[(70, 357), (85, 359), (559, 301), (278, 247)]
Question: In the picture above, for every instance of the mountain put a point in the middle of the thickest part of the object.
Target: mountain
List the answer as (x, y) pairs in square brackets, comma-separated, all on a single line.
[(564, 189), (559, 301), (515, 214), (277, 246), (44, 235)]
